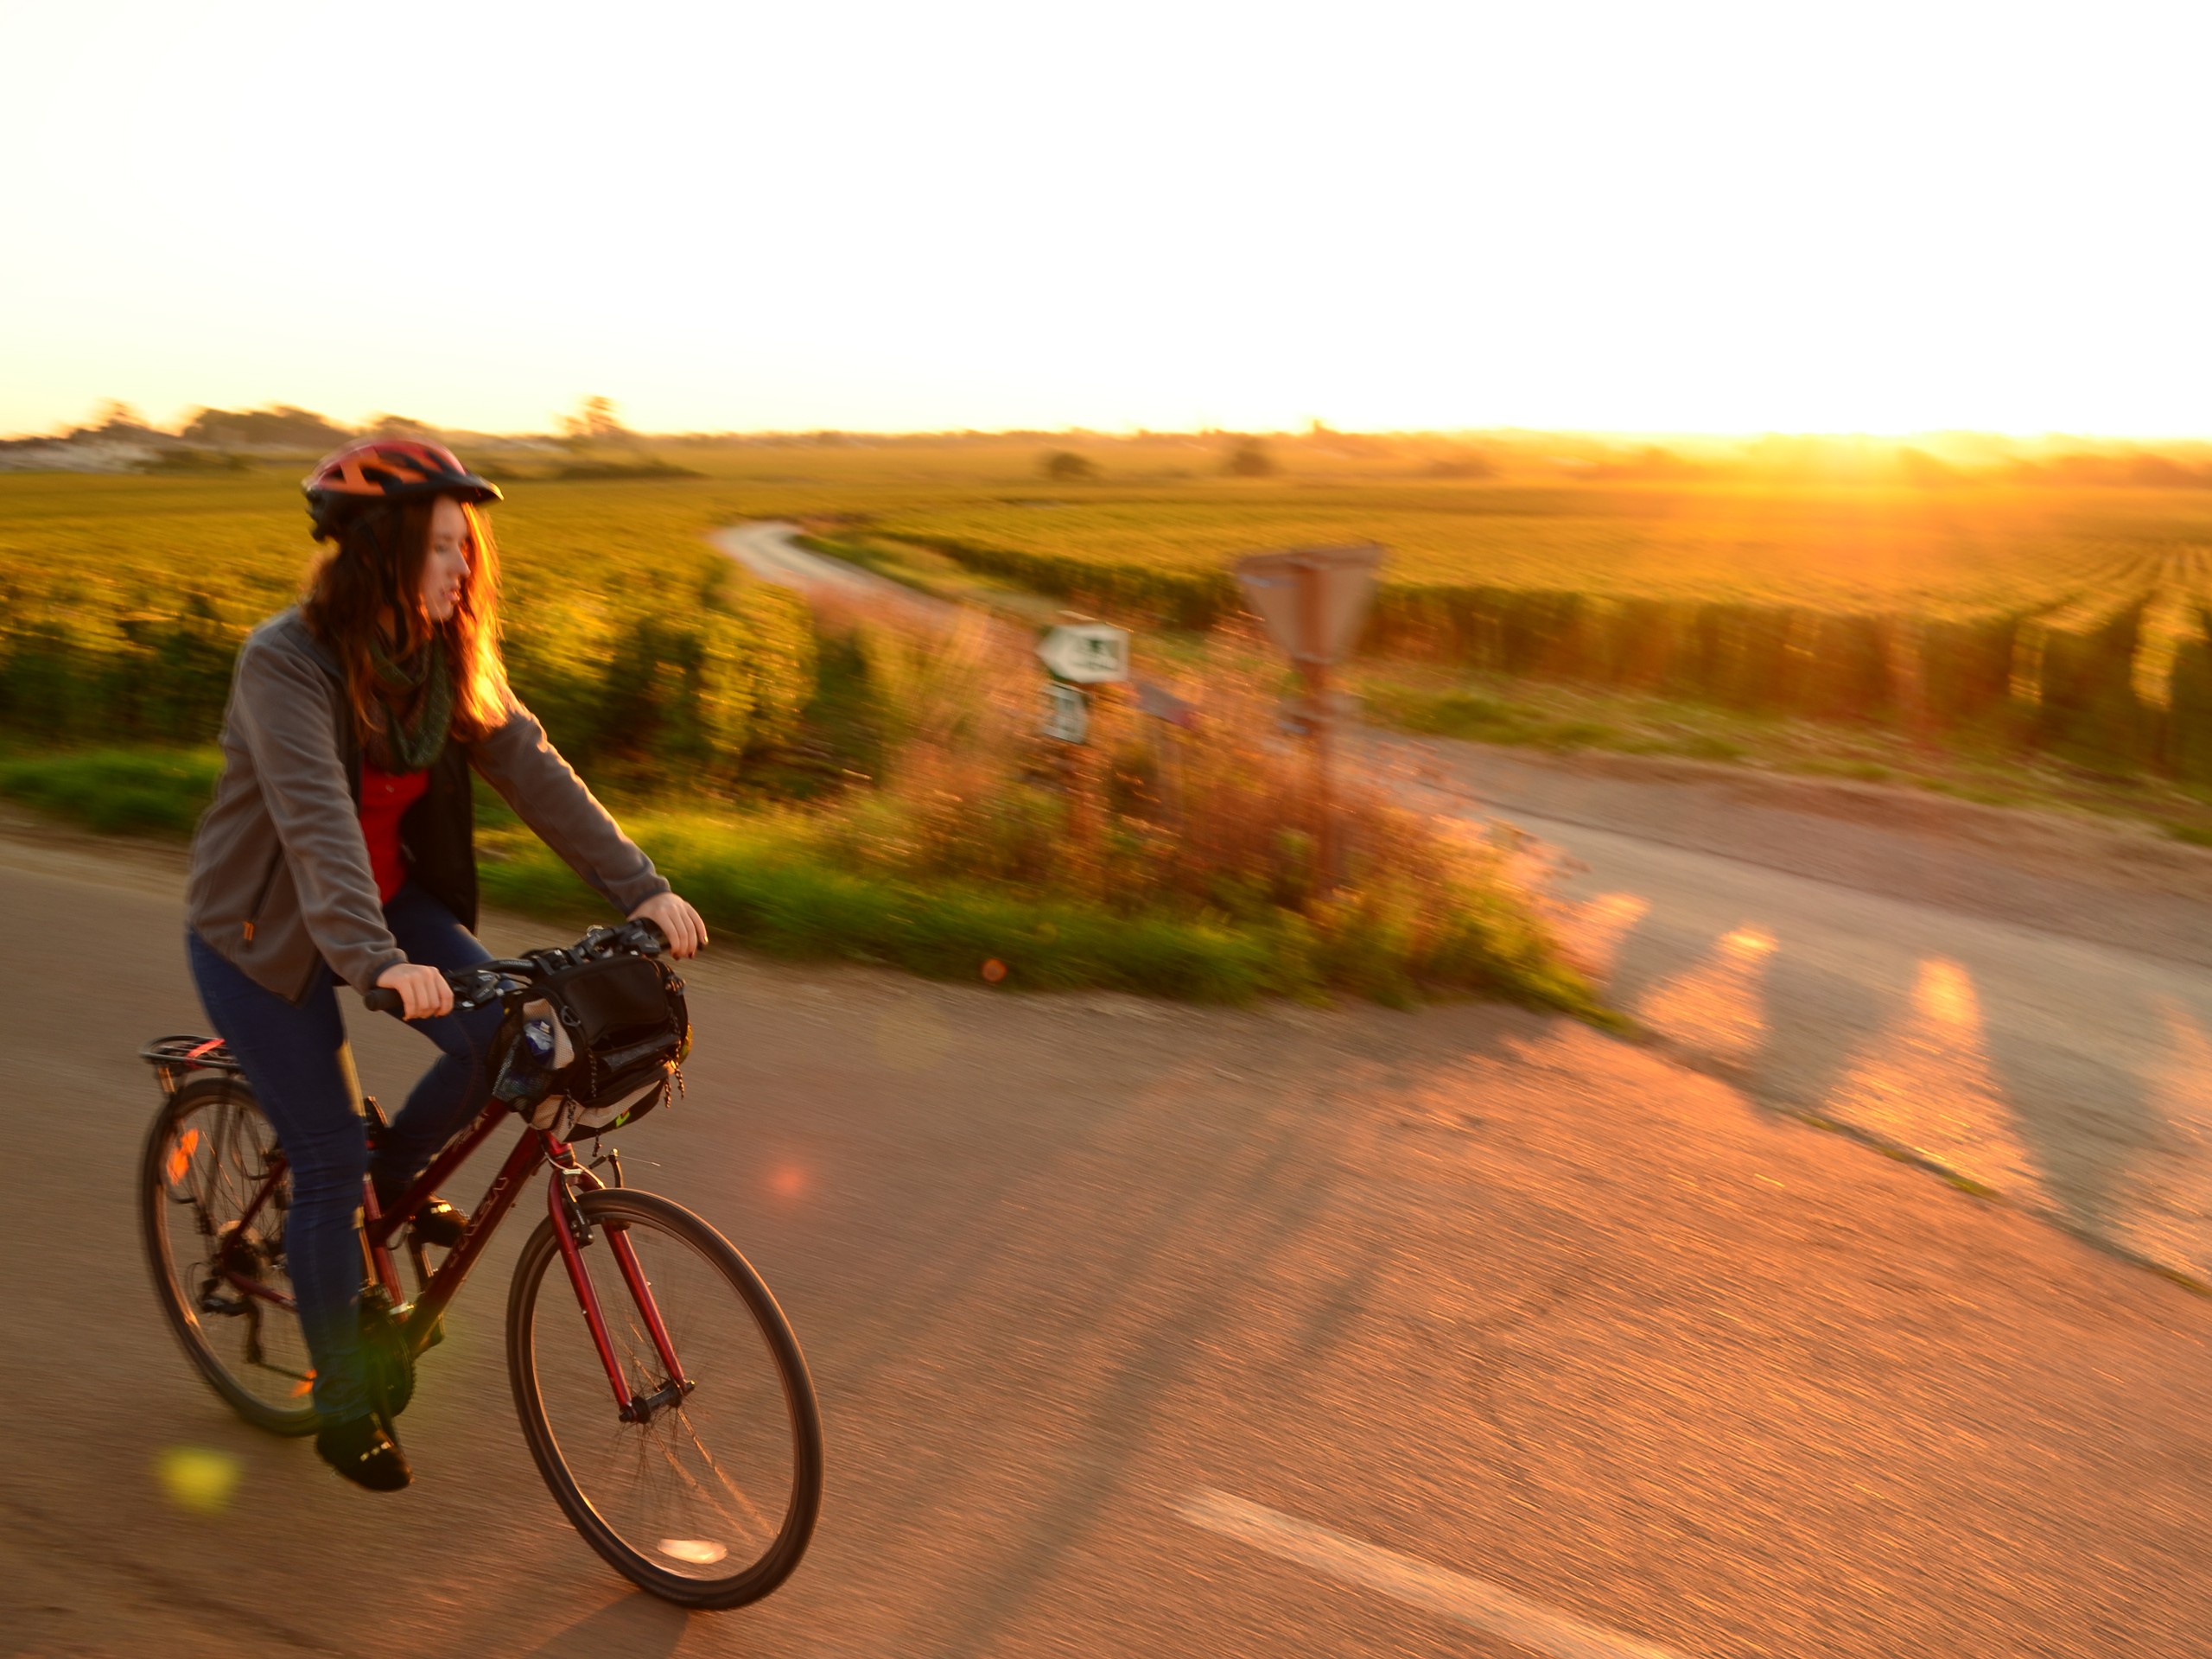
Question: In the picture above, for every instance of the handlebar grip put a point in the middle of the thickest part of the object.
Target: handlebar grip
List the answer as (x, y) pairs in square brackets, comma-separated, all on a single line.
[(382, 999)]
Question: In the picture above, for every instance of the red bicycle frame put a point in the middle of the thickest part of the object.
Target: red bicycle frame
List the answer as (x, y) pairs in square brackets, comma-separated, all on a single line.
[(438, 1289)]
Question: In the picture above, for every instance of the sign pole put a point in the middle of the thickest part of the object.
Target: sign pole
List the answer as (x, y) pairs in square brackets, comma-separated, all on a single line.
[(1312, 599), (1316, 691)]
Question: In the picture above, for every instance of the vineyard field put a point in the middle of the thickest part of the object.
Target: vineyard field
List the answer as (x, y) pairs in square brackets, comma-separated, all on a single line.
[(2074, 613), (125, 600)]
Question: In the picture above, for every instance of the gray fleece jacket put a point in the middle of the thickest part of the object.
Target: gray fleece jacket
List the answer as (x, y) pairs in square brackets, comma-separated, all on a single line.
[(280, 881)]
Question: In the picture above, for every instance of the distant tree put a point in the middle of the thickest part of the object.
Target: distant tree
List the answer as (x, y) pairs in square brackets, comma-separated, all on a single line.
[(281, 428), (2149, 470), (1249, 458), (398, 426), (1462, 463), (114, 414), (1066, 467), (595, 422), (1649, 462)]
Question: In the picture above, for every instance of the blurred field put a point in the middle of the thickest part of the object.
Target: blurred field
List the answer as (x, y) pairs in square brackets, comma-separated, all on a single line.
[(1969, 548), (2066, 616), (123, 601), (1993, 550)]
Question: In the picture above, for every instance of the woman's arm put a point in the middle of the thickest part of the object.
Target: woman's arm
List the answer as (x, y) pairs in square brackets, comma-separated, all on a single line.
[(282, 708), (547, 795)]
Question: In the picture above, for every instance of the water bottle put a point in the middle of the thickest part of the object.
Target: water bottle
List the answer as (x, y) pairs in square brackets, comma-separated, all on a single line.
[(527, 1071)]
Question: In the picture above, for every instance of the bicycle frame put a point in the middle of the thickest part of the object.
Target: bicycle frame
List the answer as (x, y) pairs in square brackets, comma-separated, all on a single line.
[(419, 1320)]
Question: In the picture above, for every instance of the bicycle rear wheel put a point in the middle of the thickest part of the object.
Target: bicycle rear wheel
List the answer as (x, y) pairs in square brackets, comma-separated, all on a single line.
[(710, 1501), (216, 1267)]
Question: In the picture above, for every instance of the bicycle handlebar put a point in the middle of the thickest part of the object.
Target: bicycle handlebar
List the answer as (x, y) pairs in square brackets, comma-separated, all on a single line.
[(474, 986)]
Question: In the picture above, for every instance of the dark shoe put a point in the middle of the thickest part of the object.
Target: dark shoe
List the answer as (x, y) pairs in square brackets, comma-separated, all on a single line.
[(438, 1223), (363, 1453)]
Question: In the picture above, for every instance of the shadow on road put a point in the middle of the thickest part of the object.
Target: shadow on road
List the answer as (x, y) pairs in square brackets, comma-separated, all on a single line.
[(636, 1627)]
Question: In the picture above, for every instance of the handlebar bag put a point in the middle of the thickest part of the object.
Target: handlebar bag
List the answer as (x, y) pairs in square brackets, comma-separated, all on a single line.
[(625, 1022)]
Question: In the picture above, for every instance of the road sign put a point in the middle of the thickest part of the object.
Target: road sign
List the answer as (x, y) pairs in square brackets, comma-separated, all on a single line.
[(1088, 653), (1313, 599), (1067, 712)]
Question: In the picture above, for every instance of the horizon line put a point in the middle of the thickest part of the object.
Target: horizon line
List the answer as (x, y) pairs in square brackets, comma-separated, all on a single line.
[(1137, 434)]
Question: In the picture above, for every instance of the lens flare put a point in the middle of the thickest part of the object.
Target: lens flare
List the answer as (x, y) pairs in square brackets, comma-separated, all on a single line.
[(195, 1478)]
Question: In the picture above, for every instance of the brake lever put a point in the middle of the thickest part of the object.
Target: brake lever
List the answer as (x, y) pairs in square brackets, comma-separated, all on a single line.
[(482, 992)]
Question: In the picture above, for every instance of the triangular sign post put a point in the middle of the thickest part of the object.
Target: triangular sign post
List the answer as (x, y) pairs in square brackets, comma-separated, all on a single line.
[(1313, 600)]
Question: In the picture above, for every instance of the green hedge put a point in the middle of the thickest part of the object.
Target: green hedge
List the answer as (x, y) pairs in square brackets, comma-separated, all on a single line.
[(2070, 691)]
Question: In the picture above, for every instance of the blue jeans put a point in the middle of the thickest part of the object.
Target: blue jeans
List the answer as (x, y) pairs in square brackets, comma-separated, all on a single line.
[(295, 1055)]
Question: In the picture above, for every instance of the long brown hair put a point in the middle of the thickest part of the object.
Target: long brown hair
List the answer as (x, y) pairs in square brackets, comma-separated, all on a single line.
[(371, 582)]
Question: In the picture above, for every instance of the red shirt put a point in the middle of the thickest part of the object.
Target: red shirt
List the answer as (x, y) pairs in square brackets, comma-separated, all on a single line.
[(385, 797)]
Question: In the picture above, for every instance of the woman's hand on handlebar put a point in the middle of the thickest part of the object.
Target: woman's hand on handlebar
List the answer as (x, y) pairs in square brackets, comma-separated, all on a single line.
[(424, 992), (678, 923)]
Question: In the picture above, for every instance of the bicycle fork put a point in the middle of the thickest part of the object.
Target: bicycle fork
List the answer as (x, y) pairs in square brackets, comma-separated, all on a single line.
[(572, 1230)]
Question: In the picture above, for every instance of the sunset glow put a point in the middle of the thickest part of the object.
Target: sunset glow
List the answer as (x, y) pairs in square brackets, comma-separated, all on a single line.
[(1718, 218)]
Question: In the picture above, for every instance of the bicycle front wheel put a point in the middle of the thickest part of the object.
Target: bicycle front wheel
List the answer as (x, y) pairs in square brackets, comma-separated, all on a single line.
[(710, 1499)]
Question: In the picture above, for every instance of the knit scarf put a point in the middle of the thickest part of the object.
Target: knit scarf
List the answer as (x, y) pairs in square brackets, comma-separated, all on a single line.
[(418, 699)]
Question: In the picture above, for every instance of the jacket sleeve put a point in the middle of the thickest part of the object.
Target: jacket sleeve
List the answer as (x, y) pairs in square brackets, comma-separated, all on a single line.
[(545, 792), (284, 713)]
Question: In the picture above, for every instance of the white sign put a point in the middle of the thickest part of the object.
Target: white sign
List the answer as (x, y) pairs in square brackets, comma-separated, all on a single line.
[(1089, 653), (1067, 713)]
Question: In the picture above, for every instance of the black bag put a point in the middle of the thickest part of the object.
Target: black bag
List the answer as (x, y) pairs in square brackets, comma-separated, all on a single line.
[(625, 1019)]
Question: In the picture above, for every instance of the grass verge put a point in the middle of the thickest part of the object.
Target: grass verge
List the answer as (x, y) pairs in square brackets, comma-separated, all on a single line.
[(783, 882), (1986, 765), (116, 791)]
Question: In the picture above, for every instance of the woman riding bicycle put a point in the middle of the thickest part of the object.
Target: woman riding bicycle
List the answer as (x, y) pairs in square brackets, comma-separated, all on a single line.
[(339, 847)]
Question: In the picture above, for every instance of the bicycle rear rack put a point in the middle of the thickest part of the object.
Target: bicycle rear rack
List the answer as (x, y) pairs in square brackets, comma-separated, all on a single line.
[(173, 1059)]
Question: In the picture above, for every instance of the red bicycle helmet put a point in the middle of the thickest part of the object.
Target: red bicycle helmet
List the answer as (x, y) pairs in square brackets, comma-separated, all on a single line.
[(376, 470)]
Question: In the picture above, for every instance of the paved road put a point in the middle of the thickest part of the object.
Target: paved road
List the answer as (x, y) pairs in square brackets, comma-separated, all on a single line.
[(2032, 1010), (768, 549), (1153, 1331)]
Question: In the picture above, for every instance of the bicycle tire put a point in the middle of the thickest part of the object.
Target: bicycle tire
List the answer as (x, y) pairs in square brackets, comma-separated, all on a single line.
[(168, 1160), (645, 1214)]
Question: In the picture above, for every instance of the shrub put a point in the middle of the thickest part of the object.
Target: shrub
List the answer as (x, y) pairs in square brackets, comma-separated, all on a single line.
[(1249, 458)]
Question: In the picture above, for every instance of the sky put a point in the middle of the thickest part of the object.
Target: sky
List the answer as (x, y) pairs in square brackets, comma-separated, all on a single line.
[(1792, 215)]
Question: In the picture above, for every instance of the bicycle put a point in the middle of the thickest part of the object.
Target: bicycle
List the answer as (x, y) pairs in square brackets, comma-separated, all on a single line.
[(699, 1525)]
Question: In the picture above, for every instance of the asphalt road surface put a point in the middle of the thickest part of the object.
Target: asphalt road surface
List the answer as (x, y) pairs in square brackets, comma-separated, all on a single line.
[(2023, 1001), (1148, 1330)]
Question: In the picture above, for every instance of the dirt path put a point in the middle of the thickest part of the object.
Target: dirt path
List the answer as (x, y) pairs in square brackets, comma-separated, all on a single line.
[(1148, 1329)]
